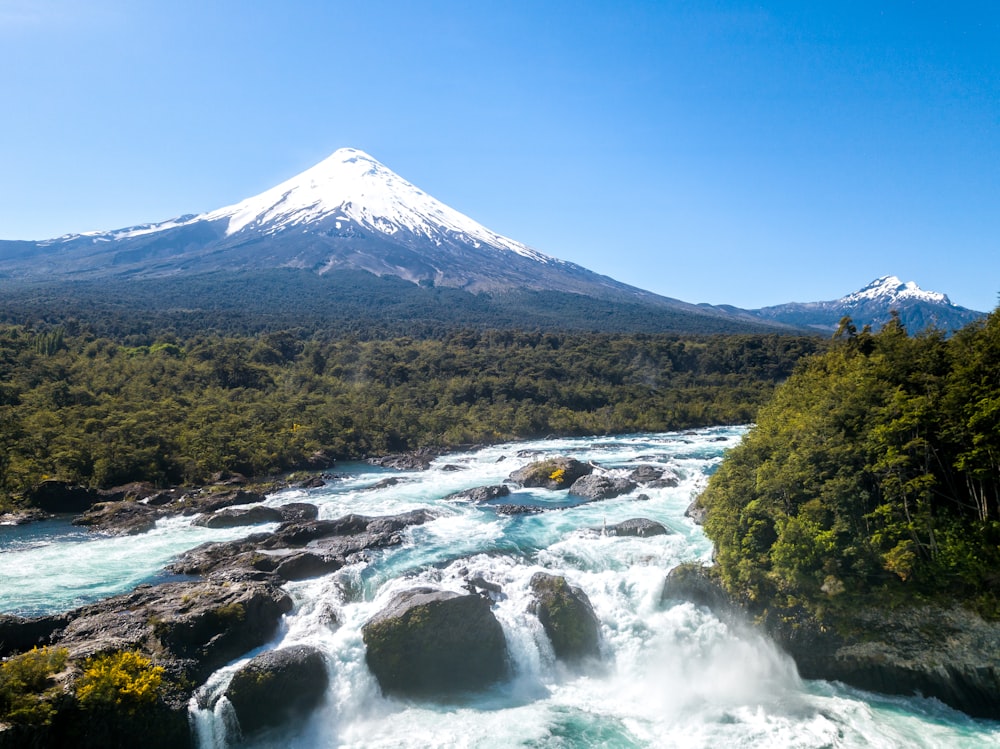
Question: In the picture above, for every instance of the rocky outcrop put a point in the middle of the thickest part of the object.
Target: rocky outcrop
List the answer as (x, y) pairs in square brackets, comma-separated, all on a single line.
[(641, 527), (277, 687), (193, 628), (510, 509), (430, 643), (696, 583), (481, 493), (596, 486), (418, 460), (298, 550), (61, 496), (696, 512), (555, 473), (567, 617), (234, 518), (951, 654)]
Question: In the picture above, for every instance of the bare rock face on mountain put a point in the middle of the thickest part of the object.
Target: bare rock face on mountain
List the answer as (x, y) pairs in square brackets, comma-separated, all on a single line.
[(429, 643)]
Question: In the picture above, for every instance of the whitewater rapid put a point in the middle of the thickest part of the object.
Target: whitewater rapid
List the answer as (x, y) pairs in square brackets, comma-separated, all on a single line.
[(672, 674)]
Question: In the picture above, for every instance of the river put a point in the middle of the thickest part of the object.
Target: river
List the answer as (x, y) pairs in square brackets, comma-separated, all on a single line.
[(672, 674)]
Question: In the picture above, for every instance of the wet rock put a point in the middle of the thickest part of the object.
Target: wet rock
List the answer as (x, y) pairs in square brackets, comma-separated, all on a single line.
[(696, 512), (122, 518), (419, 460), (313, 482), (567, 617), (296, 512), (595, 487), (641, 527), (430, 643), (215, 501), (654, 477), (233, 518), (555, 473), (383, 484), (304, 565), (696, 583), (23, 517), (278, 687), (197, 627), (481, 493), (451, 468), (517, 510)]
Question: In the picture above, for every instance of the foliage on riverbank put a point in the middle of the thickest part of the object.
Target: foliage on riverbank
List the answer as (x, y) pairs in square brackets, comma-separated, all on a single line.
[(874, 473), (100, 413)]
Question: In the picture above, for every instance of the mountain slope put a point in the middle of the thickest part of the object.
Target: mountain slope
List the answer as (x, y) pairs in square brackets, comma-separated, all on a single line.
[(872, 305), (347, 212)]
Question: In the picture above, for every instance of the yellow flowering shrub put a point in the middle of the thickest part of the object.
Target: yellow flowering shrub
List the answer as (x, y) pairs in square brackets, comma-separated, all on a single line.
[(124, 680)]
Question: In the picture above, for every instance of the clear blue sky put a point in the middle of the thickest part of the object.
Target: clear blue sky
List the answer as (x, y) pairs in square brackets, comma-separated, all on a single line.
[(748, 153)]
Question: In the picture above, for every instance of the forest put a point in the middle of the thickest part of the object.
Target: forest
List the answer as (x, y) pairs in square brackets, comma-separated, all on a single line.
[(874, 473), (97, 411)]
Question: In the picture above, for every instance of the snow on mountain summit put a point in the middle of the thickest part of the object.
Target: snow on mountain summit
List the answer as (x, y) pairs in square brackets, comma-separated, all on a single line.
[(889, 289), (350, 185)]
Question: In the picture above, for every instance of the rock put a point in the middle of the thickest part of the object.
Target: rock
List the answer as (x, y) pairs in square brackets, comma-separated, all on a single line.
[(197, 627), (641, 527), (61, 496), (567, 617), (121, 518), (233, 518), (304, 565), (215, 501), (555, 473), (517, 510), (451, 468), (23, 517), (278, 687), (481, 493), (645, 473), (601, 486), (654, 477), (18, 634), (296, 512), (431, 643), (383, 484), (696, 583), (950, 654), (313, 482), (419, 460), (696, 512)]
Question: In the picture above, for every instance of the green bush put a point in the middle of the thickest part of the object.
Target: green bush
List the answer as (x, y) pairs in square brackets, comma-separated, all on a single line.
[(27, 687)]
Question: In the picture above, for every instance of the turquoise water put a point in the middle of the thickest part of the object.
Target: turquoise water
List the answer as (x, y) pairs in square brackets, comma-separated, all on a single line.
[(673, 676)]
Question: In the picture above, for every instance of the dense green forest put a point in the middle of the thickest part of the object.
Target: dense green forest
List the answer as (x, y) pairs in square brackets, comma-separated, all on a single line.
[(94, 411), (873, 473), (347, 302)]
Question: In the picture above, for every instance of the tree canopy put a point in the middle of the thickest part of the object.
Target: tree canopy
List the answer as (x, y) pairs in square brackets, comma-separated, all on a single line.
[(875, 469)]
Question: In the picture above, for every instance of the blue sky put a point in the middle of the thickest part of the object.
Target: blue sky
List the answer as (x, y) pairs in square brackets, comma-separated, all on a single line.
[(748, 153)]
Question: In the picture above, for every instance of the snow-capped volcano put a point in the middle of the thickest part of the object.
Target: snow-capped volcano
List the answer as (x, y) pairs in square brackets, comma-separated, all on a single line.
[(351, 186), (873, 305), (349, 212), (890, 290)]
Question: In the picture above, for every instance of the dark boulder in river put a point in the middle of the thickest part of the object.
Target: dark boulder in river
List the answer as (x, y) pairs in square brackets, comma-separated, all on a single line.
[(278, 687), (567, 617), (235, 517), (641, 527), (482, 493), (430, 643), (600, 486), (555, 473)]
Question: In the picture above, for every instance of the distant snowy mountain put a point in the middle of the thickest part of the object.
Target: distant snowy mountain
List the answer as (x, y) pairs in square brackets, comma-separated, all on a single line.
[(349, 212), (872, 305)]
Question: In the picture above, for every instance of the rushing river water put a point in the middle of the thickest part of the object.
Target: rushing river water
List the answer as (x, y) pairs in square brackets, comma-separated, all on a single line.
[(673, 675)]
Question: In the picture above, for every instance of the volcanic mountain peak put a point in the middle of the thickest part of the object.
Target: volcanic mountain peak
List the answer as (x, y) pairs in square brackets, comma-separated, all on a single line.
[(350, 185), (889, 289)]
